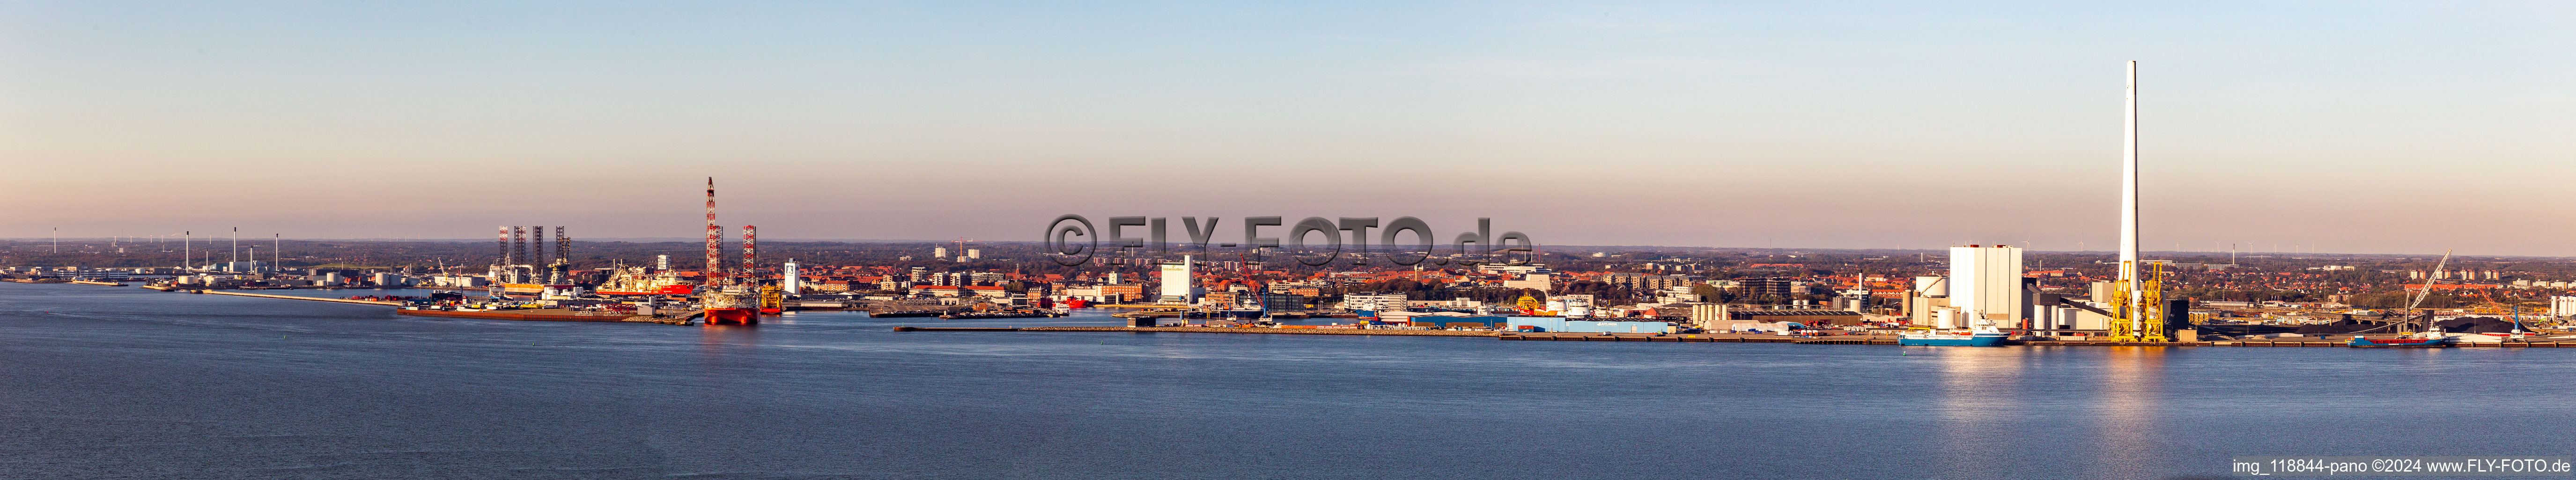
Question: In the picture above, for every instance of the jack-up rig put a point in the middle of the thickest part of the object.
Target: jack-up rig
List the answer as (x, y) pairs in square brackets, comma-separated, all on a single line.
[(728, 294), (520, 270)]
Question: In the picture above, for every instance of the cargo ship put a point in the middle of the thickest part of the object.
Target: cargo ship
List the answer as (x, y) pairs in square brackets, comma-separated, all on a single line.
[(2433, 339)]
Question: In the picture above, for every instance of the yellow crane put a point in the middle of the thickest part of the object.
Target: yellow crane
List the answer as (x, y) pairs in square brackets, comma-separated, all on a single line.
[(2141, 315)]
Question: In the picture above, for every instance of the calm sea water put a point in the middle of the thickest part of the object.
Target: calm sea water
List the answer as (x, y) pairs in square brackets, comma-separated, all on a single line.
[(102, 382)]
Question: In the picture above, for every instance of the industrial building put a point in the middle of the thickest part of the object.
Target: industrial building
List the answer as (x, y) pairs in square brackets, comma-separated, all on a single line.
[(1986, 284), (1177, 284), (1806, 317)]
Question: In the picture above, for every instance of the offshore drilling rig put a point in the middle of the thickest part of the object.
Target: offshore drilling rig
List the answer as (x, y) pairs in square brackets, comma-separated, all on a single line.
[(729, 295), (522, 268)]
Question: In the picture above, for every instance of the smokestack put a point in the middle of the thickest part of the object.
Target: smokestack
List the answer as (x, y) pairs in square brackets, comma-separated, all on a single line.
[(2129, 271), (2129, 185)]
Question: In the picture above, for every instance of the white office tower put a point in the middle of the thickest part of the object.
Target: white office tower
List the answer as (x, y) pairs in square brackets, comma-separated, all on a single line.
[(939, 252), (788, 283), (975, 253), (661, 262), (1985, 284), (1176, 282), (2562, 306)]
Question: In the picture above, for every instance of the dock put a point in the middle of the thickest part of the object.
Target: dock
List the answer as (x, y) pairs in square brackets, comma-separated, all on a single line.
[(309, 299)]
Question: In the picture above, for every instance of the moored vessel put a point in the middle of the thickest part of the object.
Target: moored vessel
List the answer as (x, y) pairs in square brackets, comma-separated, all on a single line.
[(732, 307), (1983, 336), (2433, 339)]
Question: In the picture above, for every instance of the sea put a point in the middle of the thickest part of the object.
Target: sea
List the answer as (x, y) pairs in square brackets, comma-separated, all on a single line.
[(106, 382)]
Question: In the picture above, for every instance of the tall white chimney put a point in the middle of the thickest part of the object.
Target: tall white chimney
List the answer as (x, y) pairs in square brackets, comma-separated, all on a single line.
[(2129, 186), (2129, 271)]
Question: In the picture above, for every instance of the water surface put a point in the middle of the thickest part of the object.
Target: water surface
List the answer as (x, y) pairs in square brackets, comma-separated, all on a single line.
[(104, 382)]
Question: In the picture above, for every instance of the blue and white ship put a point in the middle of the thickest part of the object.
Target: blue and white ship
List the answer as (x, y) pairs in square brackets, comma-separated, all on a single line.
[(1984, 335)]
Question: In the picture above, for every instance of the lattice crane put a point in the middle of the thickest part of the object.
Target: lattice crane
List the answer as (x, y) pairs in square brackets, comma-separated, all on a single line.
[(2428, 287)]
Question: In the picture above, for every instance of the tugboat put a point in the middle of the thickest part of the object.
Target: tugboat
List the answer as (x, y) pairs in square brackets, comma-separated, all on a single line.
[(1984, 335)]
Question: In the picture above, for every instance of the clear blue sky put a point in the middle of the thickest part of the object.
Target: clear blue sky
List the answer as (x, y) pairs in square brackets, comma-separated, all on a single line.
[(2345, 126)]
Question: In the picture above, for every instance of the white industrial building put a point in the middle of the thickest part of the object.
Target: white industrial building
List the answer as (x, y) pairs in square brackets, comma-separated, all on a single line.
[(1177, 282), (1985, 283), (789, 283)]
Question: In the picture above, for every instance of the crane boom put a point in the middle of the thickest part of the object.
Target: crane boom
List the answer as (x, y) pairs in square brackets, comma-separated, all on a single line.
[(2428, 282)]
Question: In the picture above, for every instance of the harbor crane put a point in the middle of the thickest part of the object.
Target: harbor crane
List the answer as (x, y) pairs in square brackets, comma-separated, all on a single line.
[(2427, 291)]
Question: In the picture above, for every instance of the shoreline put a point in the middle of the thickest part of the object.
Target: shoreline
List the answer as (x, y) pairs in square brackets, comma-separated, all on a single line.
[(1691, 337)]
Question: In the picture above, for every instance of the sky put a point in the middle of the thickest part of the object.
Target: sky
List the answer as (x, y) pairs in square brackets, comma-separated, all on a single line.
[(2343, 127)]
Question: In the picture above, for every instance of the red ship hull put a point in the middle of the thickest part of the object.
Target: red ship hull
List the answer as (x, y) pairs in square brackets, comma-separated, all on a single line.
[(731, 315)]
